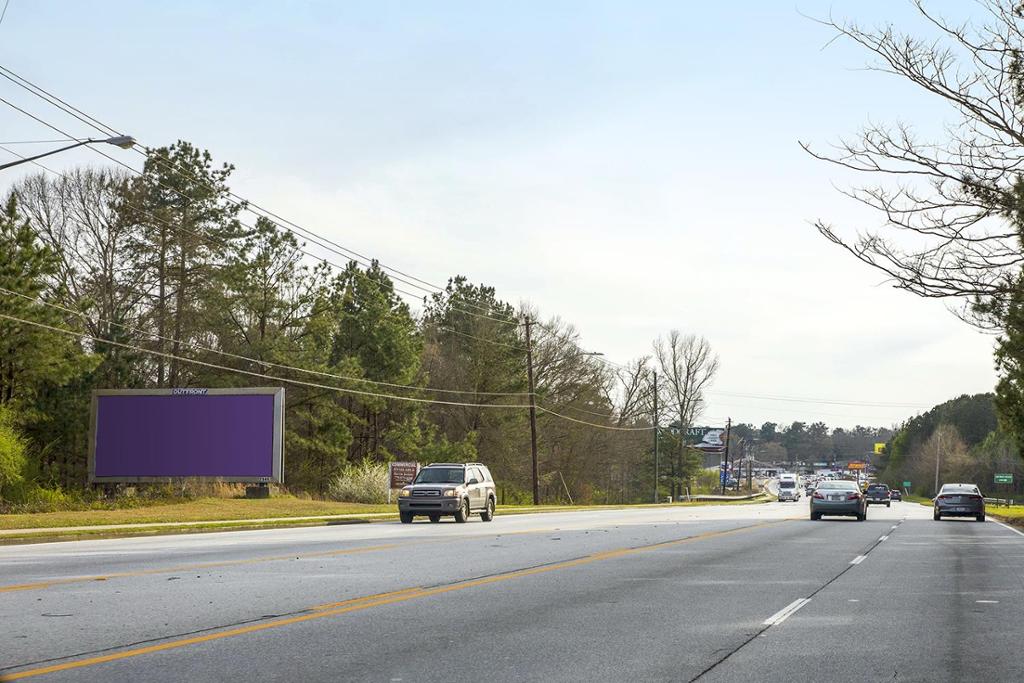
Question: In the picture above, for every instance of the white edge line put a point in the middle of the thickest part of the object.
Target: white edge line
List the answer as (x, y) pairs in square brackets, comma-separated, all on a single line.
[(785, 612), (859, 559), (1007, 526)]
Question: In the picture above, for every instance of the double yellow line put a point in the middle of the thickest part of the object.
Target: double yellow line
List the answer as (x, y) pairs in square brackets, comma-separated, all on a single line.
[(371, 601)]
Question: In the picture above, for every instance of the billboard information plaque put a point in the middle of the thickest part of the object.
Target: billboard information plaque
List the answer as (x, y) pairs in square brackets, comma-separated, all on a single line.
[(142, 435)]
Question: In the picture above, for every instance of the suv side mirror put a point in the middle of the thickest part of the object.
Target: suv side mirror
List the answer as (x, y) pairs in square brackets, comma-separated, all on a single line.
[(472, 481)]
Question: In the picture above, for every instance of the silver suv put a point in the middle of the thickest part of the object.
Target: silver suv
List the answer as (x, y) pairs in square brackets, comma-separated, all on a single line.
[(445, 488)]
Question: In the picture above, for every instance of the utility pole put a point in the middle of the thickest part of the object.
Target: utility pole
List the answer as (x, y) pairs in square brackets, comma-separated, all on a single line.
[(938, 453), (725, 473), (750, 470), (533, 413), (655, 435)]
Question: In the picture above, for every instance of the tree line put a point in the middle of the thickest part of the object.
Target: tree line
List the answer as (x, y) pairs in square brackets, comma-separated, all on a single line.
[(110, 279)]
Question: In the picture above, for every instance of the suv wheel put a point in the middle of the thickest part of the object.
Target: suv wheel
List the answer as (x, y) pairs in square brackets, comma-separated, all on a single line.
[(406, 517), (463, 514), (434, 518), (488, 514)]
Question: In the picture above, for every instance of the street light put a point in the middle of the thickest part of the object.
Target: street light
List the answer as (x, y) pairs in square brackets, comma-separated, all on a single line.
[(122, 141)]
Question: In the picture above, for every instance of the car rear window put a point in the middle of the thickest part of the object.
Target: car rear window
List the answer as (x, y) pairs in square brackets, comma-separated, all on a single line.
[(959, 488), (838, 485)]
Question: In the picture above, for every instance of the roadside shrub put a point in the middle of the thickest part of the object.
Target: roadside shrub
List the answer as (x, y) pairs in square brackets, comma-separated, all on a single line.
[(12, 453), (365, 482)]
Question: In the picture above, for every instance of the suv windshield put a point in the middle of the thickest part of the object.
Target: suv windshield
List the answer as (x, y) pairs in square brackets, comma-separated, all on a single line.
[(787, 484), (440, 475)]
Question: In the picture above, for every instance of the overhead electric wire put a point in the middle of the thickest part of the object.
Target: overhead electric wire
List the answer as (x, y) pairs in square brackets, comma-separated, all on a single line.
[(228, 354), (824, 401), (344, 390), (315, 240), (212, 240), (593, 424), (85, 335), (244, 204), (241, 202)]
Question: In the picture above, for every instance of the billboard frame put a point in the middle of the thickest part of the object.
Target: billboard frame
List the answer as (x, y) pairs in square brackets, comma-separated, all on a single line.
[(278, 433)]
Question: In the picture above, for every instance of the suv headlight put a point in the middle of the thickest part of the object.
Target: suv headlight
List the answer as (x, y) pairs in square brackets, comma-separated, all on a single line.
[(450, 493), (404, 493)]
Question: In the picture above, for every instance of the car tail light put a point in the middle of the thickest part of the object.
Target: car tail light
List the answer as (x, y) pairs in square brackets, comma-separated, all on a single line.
[(818, 496), (944, 497), (853, 496)]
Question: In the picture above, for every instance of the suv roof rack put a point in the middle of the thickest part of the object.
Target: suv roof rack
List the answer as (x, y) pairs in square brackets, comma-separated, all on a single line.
[(456, 464)]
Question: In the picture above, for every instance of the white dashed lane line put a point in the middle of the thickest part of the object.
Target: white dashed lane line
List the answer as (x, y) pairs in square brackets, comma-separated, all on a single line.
[(785, 612)]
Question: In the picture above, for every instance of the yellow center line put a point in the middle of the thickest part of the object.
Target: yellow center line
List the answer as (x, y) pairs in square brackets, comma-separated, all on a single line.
[(359, 604), (37, 585)]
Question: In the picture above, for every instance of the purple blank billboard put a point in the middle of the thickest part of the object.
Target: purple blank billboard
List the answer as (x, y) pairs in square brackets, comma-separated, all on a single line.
[(155, 435)]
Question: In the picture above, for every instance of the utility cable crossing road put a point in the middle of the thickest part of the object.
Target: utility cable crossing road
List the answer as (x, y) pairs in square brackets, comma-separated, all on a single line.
[(718, 593)]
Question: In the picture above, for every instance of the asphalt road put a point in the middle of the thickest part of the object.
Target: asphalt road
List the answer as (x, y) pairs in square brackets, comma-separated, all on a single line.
[(725, 593)]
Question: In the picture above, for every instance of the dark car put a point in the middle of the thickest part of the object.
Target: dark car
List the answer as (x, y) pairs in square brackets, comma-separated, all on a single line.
[(895, 494), (959, 500), (877, 494), (445, 488), (838, 498)]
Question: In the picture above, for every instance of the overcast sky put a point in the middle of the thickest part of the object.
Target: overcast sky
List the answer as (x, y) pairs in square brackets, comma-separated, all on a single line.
[(630, 166)]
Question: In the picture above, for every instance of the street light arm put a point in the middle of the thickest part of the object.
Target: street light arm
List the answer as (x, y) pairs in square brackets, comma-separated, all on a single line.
[(122, 141), (44, 154)]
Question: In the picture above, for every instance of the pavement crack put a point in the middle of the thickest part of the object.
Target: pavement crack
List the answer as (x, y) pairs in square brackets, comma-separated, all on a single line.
[(146, 641), (731, 651)]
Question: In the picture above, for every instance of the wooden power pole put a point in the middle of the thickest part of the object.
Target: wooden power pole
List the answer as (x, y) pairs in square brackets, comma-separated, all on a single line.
[(533, 413)]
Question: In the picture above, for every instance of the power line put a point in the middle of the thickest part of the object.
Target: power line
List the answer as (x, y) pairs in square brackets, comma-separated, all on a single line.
[(258, 361), (358, 392), (824, 401), (241, 203), (245, 204), (315, 239), (211, 240), (592, 424), (83, 335), (34, 142), (4, 13)]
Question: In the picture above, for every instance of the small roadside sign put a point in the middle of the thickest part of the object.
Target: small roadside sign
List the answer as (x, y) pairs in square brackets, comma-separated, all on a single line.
[(906, 484), (1004, 478), (402, 473), (855, 465)]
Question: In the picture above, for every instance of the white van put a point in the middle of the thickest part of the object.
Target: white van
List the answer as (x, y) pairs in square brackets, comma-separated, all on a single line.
[(789, 487)]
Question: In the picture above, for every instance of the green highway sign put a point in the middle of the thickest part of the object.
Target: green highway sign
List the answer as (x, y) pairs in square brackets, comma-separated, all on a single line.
[(1004, 478), (906, 484)]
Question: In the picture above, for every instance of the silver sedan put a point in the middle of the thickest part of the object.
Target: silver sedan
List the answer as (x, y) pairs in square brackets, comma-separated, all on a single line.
[(841, 498)]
